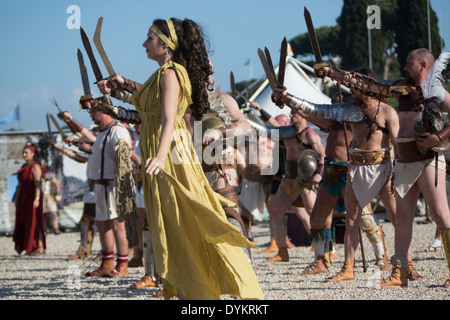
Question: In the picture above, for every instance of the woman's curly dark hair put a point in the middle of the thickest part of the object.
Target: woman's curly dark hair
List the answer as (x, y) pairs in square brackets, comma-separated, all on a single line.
[(193, 55)]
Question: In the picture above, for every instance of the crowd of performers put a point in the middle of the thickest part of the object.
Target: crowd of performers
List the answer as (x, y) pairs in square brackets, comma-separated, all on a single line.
[(189, 219)]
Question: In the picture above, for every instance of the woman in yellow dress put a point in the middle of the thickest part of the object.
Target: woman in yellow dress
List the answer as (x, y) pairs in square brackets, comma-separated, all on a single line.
[(198, 253)]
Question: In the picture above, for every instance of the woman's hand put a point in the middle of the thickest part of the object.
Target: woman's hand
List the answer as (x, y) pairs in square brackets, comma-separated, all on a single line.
[(106, 85), (36, 203), (154, 166)]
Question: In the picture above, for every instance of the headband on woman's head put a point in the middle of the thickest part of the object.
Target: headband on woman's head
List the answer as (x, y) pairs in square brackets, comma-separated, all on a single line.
[(172, 43), (30, 146)]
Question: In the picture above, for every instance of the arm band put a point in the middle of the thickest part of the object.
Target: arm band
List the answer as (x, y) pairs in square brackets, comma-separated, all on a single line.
[(264, 115)]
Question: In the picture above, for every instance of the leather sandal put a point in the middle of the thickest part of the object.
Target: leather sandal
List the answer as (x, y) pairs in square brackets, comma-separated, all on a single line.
[(271, 248), (145, 282), (346, 274), (411, 272), (121, 270), (398, 278), (319, 266), (281, 256), (106, 267), (37, 252)]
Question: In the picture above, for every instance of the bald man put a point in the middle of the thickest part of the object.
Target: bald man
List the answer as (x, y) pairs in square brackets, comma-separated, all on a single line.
[(415, 173)]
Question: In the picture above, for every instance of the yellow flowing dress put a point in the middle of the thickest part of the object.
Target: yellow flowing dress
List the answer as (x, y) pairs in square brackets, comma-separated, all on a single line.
[(197, 251)]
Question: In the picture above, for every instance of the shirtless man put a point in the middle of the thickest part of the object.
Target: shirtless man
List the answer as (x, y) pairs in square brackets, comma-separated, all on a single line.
[(370, 140), (413, 173), (291, 192)]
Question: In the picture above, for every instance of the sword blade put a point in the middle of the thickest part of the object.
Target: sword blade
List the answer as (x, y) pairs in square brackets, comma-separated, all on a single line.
[(101, 50), (282, 65), (233, 85), (84, 74), (48, 126), (57, 126), (312, 36), (269, 61), (87, 46), (269, 73), (56, 104)]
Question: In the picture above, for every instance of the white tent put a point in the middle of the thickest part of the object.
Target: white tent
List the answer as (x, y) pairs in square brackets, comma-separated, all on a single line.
[(297, 82)]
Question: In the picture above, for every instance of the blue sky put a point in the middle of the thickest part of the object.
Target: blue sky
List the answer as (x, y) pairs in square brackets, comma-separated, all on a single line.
[(38, 51)]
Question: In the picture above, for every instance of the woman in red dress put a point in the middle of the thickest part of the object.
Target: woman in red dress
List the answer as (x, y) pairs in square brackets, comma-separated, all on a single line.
[(29, 226)]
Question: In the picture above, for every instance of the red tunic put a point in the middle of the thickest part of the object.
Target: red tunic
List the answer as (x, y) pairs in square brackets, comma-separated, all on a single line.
[(29, 225)]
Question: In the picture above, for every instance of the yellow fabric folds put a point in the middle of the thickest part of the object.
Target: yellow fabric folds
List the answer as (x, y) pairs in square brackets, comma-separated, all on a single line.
[(197, 251)]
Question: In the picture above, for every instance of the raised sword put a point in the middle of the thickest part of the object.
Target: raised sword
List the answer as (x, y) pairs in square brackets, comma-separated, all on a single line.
[(313, 39)]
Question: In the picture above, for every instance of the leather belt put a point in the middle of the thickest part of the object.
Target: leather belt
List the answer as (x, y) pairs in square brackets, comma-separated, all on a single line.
[(370, 157)]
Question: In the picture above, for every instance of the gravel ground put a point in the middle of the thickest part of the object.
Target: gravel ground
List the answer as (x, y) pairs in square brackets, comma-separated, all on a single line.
[(53, 277)]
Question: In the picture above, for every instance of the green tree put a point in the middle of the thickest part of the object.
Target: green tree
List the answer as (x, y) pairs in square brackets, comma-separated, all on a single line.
[(326, 36), (411, 29)]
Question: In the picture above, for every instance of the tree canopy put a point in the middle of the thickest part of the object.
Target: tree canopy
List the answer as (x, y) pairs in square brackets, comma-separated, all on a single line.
[(403, 28)]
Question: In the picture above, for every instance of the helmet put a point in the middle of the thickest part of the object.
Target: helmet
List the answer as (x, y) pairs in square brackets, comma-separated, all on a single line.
[(307, 165), (211, 121), (433, 121)]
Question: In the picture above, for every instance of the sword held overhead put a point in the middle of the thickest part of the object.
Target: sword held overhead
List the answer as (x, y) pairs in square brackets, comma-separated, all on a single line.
[(121, 95), (266, 61), (63, 135), (313, 39), (84, 75)]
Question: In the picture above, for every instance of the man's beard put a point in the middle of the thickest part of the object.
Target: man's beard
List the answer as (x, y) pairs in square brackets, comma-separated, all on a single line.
[(409, 79)]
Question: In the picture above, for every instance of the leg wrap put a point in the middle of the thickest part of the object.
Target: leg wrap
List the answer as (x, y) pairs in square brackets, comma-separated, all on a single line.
[(370, 228), (280, 223), (318, 240)]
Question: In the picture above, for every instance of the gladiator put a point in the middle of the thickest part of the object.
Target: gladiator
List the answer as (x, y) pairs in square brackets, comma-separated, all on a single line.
[(372, 125), (292, 192), (332, 187), (417, 169)]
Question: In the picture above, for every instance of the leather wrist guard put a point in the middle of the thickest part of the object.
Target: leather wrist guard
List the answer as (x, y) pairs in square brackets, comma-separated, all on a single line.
[(341, 112), (121, 95), (74, 125), (119, 113), (374, 87), (444, 134), (131, 86)]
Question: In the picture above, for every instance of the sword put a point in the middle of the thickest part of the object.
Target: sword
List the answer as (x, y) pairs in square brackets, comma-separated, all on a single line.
[(56, 104), (313, 39), (266, 61), (50, 135), (233, 85), (282, 65), (87, 46), (101, 50), (97, 73), (104, 56), (57, 126), (84, 75), (270, 73)]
